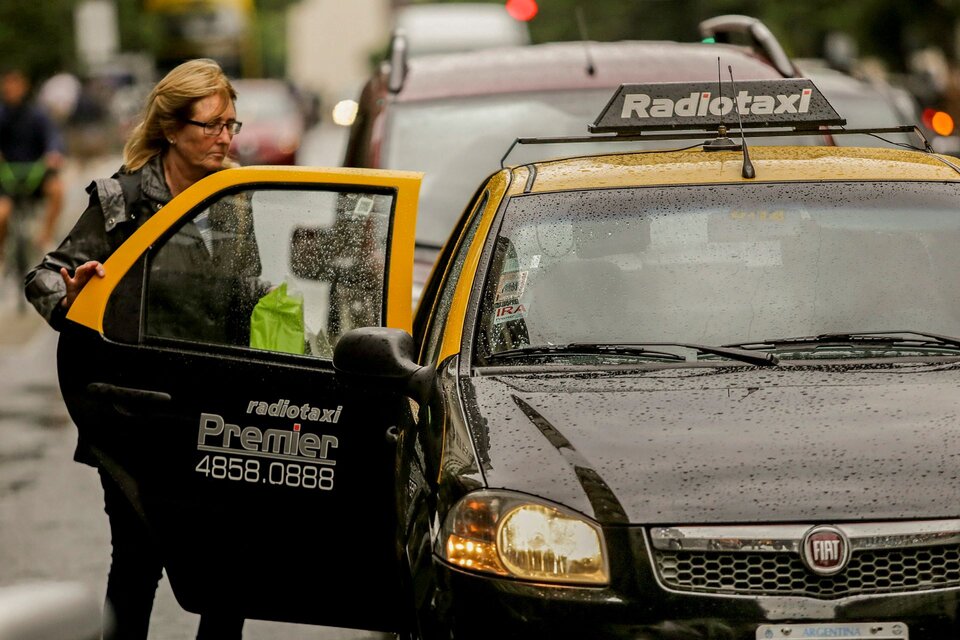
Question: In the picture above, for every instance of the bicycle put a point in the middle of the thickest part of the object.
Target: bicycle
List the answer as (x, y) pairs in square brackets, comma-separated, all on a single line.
[(22, 181)]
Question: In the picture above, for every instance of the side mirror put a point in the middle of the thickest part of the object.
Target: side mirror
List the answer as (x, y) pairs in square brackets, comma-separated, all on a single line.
[(386, 357)]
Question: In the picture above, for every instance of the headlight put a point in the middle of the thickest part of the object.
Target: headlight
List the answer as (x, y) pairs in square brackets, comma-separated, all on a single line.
[(345, 112), (513, 535)]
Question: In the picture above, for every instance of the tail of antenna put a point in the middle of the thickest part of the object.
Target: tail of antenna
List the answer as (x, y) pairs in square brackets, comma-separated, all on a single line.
[(748, 171)]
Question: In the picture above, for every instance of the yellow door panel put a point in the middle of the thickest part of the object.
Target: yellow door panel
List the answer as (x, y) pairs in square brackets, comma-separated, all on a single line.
[(90, 306)]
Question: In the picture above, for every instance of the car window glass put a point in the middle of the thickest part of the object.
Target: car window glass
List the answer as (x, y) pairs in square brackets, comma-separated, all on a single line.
[(724, 264), (417, 130), (275, 269)]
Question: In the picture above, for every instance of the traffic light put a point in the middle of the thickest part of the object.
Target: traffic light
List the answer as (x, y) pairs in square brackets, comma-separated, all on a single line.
[(523, 10), (939, 121)]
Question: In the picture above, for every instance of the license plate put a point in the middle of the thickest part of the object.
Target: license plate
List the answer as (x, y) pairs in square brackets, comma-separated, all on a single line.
[(872, 630)]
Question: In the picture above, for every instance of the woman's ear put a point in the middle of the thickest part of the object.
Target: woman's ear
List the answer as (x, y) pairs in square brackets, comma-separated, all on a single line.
[(170, 135)]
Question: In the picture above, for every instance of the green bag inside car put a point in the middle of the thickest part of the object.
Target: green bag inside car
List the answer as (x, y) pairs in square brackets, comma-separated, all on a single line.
[(276, 323)]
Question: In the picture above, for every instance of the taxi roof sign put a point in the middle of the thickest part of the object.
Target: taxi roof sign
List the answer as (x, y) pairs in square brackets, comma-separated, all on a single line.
[(792, 103)]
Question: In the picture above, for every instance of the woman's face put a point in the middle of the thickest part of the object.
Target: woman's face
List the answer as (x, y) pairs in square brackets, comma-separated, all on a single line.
[(195, 148)]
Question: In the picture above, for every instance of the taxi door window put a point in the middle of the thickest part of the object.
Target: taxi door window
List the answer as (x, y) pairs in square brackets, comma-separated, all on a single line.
[(272, 269)]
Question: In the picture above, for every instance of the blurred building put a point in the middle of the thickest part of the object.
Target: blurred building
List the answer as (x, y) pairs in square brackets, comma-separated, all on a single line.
[(330, 43)]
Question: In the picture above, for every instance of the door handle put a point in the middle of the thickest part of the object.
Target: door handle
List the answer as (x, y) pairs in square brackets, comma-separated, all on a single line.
[(392, 434), (115, 392)]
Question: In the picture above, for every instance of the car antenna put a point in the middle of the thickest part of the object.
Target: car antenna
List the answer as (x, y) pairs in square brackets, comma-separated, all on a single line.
[(721, 142), (582, 27), (748, 171)]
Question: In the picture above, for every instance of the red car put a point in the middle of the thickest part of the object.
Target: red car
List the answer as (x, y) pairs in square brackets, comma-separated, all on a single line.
[(273, 123)]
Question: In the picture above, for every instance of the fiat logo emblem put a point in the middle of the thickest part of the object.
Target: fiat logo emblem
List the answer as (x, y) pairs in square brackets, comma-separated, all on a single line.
[(826, 550)]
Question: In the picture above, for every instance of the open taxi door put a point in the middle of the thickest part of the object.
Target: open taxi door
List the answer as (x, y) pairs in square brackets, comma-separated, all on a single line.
[(199, 374)]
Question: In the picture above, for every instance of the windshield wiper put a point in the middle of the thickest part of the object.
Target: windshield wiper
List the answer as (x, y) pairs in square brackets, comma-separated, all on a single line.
[(583, 348), (639, 349), (877, 338), (733, 353)]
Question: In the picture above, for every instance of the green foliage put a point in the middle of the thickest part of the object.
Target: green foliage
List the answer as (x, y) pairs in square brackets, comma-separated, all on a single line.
[(272, 27), (889, 29), (37, 36)]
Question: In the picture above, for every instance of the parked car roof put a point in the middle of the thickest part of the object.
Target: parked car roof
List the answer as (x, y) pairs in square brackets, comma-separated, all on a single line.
[(564, 65)]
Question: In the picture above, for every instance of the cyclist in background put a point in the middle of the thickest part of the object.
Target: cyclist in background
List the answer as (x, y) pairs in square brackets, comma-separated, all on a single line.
[(28, 134)]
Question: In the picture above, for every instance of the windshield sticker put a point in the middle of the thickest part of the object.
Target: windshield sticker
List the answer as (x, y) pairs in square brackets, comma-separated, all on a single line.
[(512, 286), (510, 312), (363, 207), (535, 261)]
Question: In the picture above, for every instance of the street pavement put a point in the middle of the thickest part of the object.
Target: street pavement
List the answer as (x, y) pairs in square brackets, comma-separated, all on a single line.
[(52, 525)]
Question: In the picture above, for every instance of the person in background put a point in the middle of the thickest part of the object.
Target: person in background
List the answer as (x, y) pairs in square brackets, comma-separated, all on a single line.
[(28, 134), (188, 124)]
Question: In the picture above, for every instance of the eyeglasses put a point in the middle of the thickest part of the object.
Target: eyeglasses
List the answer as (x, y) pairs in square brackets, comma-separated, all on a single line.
[(215, 127)]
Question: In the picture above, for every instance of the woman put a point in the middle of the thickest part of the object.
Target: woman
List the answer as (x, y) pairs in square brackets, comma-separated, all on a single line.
[(188, 124)]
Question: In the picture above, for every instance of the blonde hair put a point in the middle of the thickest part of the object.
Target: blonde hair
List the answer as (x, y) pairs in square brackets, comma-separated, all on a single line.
[(170, 103)]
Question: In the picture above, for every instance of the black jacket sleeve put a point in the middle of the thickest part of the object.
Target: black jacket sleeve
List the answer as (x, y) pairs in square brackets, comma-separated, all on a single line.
[(44, 286)]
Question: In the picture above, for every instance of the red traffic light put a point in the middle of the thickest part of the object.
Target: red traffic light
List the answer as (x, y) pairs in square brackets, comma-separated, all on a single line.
[(939, 121), (522, 10)]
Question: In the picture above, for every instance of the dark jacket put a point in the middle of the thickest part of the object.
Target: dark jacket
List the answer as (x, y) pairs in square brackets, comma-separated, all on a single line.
[(109, 219), (194, 293), (27, 133)]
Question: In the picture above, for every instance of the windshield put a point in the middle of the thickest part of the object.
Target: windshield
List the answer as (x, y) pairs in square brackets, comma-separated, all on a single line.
[(457, 143), (723, 264)]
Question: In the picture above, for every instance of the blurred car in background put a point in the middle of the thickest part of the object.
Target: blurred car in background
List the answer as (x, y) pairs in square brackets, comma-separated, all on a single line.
[(427, 29), (876, 103), (466, 26), (865, 105), (454, 116), (273, 122)]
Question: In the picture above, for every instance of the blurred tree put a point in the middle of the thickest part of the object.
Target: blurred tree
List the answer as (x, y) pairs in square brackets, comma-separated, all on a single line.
[(139, 30), (37, 36), (888, 29), (271, 26)]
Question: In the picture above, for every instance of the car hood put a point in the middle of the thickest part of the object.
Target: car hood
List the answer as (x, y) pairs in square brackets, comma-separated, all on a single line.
[(727, 445)]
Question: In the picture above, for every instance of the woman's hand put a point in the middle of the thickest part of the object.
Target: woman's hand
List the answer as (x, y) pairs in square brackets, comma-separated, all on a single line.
[(79, 280)]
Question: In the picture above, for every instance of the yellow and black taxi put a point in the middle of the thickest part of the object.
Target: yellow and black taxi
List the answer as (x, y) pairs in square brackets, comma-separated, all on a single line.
[(705, 392)]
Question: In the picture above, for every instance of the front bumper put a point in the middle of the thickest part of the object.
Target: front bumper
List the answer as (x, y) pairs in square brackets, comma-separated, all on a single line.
[(636, 606)]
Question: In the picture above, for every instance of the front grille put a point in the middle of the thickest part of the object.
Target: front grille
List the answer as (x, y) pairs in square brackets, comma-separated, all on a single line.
[(784, 574)]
